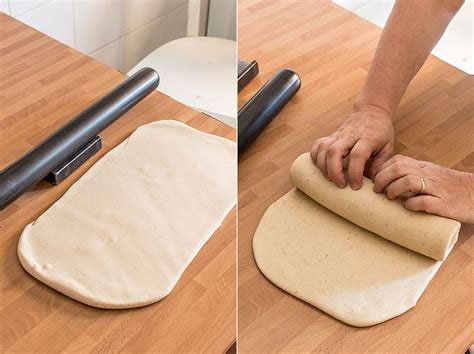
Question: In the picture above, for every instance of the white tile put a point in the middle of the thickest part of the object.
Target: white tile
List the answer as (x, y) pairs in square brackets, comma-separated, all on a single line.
[(111, 54), (173, 4), (4, 6), (141, 12), (55, 19), (97, 23), (177, 23), (19, 7), (143, 41)]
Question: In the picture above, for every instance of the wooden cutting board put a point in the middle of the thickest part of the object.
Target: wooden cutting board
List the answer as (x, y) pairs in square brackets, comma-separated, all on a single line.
[(331, 49), (43, 84)]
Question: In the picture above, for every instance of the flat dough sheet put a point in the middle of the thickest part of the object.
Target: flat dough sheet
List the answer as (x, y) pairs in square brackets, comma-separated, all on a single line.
[(337, 266), (124, 233)]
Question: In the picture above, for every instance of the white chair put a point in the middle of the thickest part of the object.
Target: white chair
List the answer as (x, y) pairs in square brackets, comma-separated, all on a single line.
[(199, 72)]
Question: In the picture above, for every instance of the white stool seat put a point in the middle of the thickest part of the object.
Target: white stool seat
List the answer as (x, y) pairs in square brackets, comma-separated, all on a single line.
[(199, 72)]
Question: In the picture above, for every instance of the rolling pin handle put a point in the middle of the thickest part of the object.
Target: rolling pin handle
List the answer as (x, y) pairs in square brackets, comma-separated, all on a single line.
[(265, 105)]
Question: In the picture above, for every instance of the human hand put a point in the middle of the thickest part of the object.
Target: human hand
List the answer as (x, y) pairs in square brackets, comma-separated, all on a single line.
[(366, 134), (447, 192)]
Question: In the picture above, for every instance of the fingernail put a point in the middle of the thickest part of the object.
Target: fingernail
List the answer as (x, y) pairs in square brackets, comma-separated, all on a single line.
[(355, 186), (341, 185)]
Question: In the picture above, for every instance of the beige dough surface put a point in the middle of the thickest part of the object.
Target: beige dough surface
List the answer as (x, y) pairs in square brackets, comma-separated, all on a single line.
[(428, 234), (124, 233), (347, 271)]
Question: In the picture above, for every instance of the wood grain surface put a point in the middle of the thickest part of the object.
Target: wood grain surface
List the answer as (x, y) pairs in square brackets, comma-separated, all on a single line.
[(43, 84), (331, 49)]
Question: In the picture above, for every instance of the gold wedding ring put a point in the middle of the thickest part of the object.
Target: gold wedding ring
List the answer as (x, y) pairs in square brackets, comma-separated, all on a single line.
[(422, 185)]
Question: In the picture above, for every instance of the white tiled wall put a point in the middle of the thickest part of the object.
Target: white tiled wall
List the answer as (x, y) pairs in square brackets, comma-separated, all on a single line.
[(136, 43), (117, 32), (53, 18), (19, 7), (176, 23), (97, 23), (4, 6)]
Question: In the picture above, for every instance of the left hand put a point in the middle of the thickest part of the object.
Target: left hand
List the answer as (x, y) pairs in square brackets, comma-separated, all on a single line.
[(447, 192)]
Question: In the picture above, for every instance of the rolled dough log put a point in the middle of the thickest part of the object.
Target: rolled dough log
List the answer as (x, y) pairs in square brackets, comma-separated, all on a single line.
[(124, 233), (330, 262), (428, 234)]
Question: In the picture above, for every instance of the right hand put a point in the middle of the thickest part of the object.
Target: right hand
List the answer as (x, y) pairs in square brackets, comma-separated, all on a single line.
[(366, 136)]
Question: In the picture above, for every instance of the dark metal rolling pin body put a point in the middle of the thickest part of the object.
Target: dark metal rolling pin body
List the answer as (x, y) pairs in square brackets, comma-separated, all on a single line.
[(257, 113), (39, 162)]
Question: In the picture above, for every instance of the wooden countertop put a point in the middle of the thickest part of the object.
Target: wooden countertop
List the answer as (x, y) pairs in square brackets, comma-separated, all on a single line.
[(43, 84), (331, 49)]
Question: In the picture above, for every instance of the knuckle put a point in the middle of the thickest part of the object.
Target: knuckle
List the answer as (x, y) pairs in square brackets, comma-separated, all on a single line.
[(397, 168), (320, 140), (323, 145), (397, 158), (409, 181), (333, 151)]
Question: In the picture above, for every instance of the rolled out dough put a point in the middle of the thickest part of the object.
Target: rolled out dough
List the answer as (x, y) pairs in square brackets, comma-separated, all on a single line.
[(124, 233), (325, 253)]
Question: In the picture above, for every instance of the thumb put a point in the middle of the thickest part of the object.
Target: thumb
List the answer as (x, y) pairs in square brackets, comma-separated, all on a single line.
[(426, 203), (379, 159)]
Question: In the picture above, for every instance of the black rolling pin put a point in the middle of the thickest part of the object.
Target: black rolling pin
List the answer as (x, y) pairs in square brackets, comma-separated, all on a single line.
[(57, 148), (257, 113)]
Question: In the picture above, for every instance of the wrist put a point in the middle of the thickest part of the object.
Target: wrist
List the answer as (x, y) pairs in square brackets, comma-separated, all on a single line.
[(468, 179), (371, 109)]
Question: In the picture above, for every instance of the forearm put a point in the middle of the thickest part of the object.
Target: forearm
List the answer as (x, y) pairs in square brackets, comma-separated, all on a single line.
[(413, 29)]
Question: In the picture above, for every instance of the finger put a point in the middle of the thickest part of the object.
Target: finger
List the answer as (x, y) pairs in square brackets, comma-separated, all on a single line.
[(406, 186), (398, 159), (378, 160), (327, 140), (392, 172), (321, 162), (314, 151), (359, 155), (428, 203), (334, 160)]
